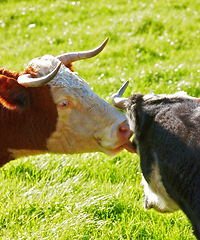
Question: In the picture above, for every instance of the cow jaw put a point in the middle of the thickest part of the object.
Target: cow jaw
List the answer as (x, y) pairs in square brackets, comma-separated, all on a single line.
[(155, 194), (129, 147)]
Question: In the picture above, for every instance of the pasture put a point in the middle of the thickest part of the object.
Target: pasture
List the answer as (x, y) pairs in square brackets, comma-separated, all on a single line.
[(154, 45)]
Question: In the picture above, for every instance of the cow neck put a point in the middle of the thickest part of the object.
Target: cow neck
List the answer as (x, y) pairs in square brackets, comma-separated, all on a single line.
[(27, 130)]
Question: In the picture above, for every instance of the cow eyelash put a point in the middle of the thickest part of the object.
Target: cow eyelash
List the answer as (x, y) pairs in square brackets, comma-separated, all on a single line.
[(63, 104)]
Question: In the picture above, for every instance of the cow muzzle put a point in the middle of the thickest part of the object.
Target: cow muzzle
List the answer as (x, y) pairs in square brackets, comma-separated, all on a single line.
[(124, 134), (115, 139)]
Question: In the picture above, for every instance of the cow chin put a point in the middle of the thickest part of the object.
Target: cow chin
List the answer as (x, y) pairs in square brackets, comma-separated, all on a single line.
[(113, 152), (157, 204), (156, 196)]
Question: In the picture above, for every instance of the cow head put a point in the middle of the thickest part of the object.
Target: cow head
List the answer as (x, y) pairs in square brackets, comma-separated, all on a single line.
[(158, 129), (85, 122)]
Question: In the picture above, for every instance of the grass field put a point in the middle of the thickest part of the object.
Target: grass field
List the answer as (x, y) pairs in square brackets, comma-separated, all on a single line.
[(154, 45)]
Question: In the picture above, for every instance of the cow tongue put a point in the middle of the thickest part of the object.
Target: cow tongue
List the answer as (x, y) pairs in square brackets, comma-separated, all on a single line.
[(129, 147)]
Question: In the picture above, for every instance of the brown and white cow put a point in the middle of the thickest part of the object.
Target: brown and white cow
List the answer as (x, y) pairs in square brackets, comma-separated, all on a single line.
[(49, 108), (167, 138)]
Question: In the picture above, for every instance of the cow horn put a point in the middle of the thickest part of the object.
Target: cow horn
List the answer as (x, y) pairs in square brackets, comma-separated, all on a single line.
[(117, 99), (27, 81), (68, 58)]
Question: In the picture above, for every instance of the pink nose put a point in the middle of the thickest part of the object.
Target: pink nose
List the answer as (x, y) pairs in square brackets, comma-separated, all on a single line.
[(124, 132)]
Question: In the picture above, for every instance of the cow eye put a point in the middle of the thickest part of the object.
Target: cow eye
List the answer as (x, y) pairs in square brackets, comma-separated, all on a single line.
[(63, 104)]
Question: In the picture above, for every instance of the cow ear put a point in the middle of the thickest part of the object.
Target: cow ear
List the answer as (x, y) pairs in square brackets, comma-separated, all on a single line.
[(143, 120), (12, 94)]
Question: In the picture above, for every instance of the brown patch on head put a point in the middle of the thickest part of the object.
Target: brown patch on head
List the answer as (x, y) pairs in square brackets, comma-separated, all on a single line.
[(12, 95), (69, 65), (28, 129), (29, 70), (8, 73)]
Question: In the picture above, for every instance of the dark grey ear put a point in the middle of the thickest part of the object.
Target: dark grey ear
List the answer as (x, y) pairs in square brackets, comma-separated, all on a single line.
[(137, 114), (143, 133)]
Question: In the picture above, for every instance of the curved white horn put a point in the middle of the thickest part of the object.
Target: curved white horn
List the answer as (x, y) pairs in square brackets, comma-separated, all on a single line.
[(68, 58), (27, 81), (117, 99)]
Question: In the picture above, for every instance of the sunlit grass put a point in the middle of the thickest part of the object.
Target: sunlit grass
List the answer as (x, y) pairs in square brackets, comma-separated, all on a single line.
[(154, 45), (87, 196)]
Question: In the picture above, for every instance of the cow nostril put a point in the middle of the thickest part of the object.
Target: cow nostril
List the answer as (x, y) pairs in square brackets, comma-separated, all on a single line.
[(124, 131)]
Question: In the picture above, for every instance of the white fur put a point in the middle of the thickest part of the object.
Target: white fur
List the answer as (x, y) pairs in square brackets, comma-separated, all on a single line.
[(155, 193)]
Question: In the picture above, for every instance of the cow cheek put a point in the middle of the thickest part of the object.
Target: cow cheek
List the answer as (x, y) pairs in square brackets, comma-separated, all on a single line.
[(74, 133), (155, 194), (57, 141)]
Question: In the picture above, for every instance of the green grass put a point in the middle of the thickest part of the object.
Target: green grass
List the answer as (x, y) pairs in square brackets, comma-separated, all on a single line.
[(154, 45)]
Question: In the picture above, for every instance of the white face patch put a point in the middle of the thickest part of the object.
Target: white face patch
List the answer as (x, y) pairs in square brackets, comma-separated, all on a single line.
[(88, 123), (155, 194)]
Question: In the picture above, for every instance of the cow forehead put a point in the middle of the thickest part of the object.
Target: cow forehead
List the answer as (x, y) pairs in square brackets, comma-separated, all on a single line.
[(64, 78), (67, 83)]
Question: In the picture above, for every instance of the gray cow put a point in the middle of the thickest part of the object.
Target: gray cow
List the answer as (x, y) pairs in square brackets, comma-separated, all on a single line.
[(167, 138)]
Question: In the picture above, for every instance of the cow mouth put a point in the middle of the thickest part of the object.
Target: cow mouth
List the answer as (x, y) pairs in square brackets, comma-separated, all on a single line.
[(130, 146)]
